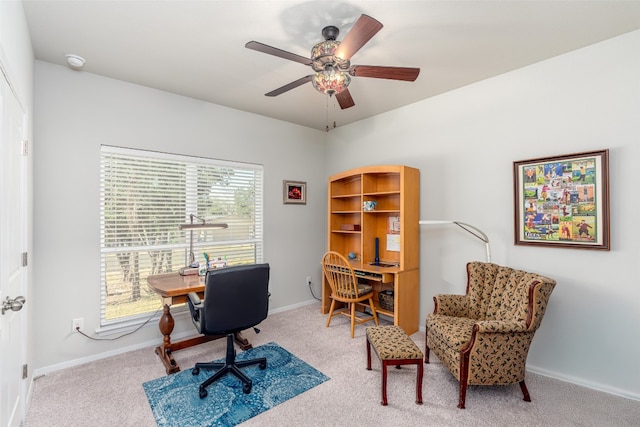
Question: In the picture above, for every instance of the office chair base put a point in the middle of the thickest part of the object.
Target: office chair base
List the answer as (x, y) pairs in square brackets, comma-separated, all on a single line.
[(230, 365)]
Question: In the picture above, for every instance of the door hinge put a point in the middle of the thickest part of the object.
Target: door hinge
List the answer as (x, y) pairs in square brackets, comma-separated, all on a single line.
[(25, 371), (25, 259), (25, 148)]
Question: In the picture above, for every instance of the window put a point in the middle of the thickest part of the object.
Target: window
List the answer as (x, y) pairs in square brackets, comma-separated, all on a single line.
[(144, 197)]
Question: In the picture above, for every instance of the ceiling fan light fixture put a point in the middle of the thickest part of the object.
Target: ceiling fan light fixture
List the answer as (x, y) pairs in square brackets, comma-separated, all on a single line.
[(330, 81), (323, 54)]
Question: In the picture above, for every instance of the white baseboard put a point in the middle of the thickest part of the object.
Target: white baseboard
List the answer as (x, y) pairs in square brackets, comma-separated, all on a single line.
[(534, 369), (291, 307), (583, 383), (94, 357)]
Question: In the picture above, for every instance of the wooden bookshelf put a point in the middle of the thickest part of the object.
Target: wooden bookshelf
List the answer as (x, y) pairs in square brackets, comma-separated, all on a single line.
[(396, 193)]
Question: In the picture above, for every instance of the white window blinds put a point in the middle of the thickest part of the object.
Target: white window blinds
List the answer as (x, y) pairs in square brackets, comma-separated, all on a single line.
[(145, 196)]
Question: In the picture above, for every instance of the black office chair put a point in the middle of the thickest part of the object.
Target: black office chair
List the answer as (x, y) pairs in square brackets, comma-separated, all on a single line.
[(235, 298)]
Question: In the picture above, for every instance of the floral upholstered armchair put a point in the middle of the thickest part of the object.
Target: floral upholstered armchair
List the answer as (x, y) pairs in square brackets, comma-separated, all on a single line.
[(483, 337)]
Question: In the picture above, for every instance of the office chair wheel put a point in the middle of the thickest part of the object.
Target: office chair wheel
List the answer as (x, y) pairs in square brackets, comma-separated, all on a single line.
[(263, 365), (203, 393), (195, 371), (247, 388)]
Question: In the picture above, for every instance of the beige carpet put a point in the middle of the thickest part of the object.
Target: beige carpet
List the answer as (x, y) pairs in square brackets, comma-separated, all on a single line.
[(109, 392)]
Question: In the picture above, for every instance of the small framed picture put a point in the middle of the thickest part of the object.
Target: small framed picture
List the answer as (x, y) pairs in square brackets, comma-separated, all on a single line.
[(563, 201), (294, 192)]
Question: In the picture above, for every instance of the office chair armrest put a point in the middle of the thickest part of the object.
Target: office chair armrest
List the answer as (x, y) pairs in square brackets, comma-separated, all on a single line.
[(194, 299), (195, 304)]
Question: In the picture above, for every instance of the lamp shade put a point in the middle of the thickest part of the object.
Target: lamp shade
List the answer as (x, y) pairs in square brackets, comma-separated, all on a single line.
[(330, 81)]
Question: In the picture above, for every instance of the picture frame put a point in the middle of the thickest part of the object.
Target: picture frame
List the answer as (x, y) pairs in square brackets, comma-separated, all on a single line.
[(294, 192), (563, 201)]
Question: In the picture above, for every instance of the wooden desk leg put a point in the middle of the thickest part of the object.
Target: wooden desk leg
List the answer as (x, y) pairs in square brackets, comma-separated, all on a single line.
[(242, 341), (166, 325), (165, 350)]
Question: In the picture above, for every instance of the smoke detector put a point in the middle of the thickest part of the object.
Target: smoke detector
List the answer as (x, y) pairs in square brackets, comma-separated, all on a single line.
[(76, 62)]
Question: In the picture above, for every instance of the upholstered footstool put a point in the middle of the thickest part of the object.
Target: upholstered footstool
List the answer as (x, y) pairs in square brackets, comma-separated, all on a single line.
[(394, 348)]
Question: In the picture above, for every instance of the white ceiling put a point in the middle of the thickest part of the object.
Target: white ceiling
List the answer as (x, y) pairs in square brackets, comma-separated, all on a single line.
[(196, 48)]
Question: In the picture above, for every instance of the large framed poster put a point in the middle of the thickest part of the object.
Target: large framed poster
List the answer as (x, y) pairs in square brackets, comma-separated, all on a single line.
[(563, 201)]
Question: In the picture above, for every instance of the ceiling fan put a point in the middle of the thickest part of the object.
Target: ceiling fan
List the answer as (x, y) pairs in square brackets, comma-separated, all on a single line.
[(330, 61)]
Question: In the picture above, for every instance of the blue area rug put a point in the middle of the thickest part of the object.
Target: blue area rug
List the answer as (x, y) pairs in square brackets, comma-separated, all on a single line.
[(175, 401)]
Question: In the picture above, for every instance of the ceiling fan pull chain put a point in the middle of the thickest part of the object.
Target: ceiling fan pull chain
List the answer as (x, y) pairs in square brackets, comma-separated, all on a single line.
[(327, 109)]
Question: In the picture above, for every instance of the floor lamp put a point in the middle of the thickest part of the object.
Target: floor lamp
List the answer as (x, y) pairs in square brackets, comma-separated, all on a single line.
[(193, 267), (466, 227)]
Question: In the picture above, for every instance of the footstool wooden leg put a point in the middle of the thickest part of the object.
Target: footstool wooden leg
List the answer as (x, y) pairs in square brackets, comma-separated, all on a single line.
[(419, 383), (384, 383)]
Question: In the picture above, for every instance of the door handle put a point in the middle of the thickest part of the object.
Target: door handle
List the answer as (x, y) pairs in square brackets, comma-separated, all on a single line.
[(13, 304)]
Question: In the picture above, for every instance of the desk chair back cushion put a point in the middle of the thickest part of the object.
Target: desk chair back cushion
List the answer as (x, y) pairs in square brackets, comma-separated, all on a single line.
[(235, 298)]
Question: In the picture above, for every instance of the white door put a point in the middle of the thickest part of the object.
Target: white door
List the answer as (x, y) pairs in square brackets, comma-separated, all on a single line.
[(13, 275)]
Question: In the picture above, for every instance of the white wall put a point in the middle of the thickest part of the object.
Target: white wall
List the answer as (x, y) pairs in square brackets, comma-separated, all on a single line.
[(76, 112), (464, 143)]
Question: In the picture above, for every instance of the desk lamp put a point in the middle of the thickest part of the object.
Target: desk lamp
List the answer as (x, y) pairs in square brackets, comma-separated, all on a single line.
[(192, 267)]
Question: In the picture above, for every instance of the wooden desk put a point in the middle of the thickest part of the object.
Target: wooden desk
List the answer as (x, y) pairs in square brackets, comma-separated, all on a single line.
[(173, 289), (404, 283)]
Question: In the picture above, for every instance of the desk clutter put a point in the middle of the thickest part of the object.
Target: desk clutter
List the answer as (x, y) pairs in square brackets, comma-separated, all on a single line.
[(201, 269)]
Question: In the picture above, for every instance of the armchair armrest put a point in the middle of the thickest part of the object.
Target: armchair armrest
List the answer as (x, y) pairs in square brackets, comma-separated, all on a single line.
[(500, 326), (451, 305)]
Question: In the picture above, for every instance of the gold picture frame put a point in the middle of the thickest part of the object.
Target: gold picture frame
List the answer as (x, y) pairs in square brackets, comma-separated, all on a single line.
[(294, 192), (563, 201)]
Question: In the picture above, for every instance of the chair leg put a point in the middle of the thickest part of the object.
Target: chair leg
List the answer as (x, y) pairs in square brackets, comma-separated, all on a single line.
[(525, 392), (230, 365), (426, 345), (464, 378), (333, 306), (353, 318), (463, 394), (373, 311)]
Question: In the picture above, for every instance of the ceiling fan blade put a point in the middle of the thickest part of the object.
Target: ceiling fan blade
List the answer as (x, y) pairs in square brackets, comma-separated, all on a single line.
[(290, 86), (391, 73), (345, 100), (261, 47), (361, 32)]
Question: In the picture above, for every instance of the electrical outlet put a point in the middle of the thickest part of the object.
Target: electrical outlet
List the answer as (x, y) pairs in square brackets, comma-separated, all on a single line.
[(308, 280), (77, 324)]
